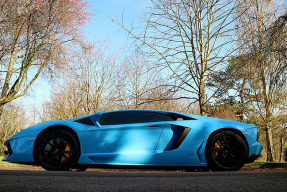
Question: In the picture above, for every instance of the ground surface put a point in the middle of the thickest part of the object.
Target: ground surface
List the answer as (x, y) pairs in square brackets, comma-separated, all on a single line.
[(256, 166), (23, 180), (258, 176)]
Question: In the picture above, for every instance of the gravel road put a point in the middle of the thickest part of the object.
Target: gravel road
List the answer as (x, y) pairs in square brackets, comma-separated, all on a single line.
[(42, 181)]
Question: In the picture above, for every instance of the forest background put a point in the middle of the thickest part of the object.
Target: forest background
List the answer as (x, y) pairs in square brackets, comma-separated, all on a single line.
[(219, 58)]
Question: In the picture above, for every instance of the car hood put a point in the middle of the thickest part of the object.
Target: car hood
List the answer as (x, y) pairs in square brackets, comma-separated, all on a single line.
[(34, 130)]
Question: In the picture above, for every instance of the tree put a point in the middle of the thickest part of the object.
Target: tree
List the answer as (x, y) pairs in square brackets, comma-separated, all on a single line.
[(256, 78), (35, 36), (136, 78), (231, 83), (281, 135), (96, 77), (191, 38), (139, 87), (264, 52), (87, 86)]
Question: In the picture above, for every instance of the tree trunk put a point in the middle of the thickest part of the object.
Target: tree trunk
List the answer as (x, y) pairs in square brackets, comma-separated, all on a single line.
[(242, 107), (281, 149), (1, 110), (269, 147), (202, 102)]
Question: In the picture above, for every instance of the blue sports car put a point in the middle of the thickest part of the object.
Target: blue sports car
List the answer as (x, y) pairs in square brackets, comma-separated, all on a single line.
[(136, 138)]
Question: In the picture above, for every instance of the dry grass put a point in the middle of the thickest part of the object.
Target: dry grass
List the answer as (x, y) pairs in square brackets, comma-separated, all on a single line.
[(7, 164)]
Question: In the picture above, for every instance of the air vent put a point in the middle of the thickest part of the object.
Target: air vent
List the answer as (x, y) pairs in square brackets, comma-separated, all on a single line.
[(9, 152), (179, 134), (86, 121)]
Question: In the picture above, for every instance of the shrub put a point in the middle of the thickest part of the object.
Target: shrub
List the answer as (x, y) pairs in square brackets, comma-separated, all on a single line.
[(12, 120)]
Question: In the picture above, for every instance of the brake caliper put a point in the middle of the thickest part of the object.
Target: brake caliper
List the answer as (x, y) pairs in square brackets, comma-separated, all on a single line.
[(216, 146), (67, 154)]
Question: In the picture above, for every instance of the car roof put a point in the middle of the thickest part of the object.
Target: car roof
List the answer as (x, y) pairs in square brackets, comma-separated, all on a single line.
[(153, 111), (138, 110)]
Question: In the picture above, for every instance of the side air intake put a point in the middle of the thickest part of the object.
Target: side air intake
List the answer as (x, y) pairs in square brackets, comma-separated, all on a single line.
[(86, 121)]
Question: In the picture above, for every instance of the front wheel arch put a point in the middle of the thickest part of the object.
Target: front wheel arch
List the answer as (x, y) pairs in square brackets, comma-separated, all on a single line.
[(63, 127)]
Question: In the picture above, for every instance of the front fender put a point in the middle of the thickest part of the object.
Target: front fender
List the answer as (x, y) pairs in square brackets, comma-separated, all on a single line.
[(22, 143)]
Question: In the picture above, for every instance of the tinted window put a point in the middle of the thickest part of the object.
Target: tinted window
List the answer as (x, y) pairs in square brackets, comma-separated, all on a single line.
[(129, 117), (162, 117), (117, 118)]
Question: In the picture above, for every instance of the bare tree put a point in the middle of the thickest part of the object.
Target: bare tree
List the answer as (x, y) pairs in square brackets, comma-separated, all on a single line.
[(96, 77), (282, 137), (136, 79), (65, 102), (35, 35), (87, 86), (191, 38), (160, 98)]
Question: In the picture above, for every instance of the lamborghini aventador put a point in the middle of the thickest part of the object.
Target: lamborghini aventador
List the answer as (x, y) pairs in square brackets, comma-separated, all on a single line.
[(137, 138)]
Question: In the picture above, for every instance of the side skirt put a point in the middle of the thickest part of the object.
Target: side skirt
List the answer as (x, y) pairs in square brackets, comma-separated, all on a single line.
[(137, 167)]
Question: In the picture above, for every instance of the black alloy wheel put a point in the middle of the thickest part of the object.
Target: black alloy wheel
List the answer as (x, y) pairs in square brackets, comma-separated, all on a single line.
[(226, 151), (57, 150)]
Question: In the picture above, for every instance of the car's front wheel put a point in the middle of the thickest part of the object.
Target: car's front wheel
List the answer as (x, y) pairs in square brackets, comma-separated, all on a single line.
[(226, 151), (57, 150)]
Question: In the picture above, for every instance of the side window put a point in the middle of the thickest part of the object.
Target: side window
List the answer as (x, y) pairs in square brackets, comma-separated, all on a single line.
[(106, 119), (140, 117), (162, 117), (128, 117)]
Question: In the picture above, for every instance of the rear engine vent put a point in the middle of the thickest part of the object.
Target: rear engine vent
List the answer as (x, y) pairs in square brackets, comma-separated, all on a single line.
[(86, 121)]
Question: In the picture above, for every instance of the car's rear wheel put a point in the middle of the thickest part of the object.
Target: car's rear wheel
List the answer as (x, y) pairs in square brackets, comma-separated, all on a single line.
[(226, 151), (57, 150)]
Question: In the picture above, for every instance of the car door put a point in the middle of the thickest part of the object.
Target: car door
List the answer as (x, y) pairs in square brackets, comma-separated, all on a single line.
[(124, 138)]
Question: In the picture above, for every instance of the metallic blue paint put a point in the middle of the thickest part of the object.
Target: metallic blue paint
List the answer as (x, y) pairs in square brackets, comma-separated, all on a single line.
[(137, 144)]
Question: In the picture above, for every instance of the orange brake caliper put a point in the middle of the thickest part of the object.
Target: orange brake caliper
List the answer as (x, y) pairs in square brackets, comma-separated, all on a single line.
[(215, 152), (68, 154)]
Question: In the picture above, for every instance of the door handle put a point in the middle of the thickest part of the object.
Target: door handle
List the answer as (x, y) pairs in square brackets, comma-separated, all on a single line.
[(153, 126)]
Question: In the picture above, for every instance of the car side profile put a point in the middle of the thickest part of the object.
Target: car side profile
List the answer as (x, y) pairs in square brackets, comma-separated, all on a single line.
[(138, 138)]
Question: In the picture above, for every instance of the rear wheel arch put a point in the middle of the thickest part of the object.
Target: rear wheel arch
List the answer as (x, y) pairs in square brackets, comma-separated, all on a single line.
[(228, 129), (215, 134)]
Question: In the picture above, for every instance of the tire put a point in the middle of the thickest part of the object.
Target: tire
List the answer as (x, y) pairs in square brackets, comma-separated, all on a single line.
[(57, 150), (226, 151)]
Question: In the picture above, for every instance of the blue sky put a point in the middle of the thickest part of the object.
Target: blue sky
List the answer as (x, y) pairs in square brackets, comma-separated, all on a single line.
[(102, 28)]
